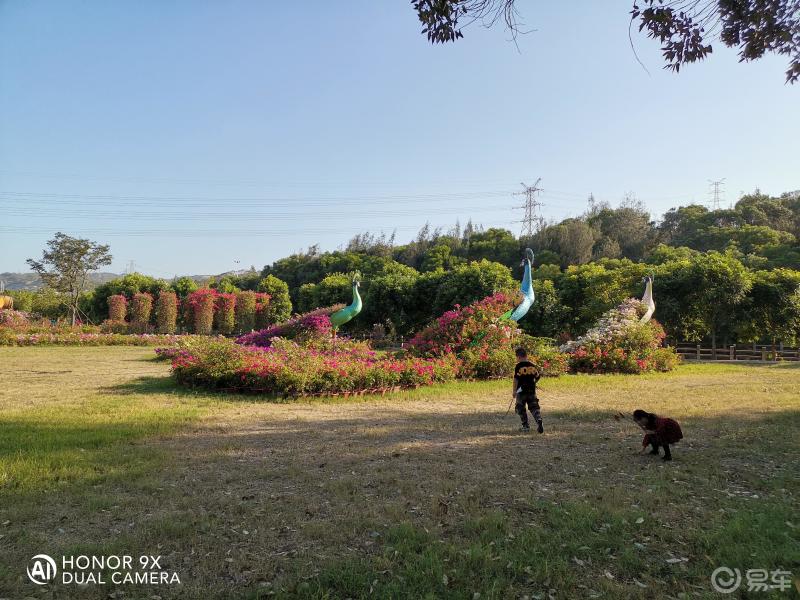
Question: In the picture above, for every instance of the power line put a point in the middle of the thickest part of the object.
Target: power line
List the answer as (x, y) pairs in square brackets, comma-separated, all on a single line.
[(533, 220)]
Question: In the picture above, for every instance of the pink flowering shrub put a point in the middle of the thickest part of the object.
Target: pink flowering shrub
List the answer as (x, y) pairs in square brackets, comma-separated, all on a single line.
[(483, 344), (54, 337), (14, 318), (619, 343), (287, 368), (263, 311), (306, 327), (200, 304), (117, 308)]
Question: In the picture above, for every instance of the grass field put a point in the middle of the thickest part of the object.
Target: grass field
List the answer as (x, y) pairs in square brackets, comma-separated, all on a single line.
[(424, 494)]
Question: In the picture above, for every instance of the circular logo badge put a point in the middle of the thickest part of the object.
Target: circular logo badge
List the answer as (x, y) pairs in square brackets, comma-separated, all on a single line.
[(42, 569), (725, 580)]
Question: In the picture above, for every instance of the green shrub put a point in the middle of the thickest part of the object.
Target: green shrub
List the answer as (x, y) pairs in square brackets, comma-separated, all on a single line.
[(141, 309), (245, 312), (166, 312), (225, 312)]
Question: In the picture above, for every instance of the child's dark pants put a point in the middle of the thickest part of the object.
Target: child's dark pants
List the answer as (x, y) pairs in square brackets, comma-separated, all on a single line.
[(529, 400), (655, 443)]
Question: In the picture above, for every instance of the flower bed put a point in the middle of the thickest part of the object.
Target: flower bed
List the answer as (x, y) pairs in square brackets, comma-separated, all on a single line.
[(289, 369), (78, 338), (619, 343), (14, 318), (483, 344)]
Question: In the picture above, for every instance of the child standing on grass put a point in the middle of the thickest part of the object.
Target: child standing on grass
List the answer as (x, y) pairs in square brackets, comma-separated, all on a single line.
[(658, 431), (526, 374)]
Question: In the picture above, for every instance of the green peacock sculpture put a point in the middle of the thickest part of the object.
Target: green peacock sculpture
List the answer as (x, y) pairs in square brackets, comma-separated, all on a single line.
[(340, 317)]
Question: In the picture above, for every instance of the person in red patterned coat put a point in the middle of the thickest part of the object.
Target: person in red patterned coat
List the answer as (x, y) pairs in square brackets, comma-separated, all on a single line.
[(658, 432)]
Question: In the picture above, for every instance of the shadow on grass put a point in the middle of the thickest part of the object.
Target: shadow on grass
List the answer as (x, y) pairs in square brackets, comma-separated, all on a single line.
[(167, 385)]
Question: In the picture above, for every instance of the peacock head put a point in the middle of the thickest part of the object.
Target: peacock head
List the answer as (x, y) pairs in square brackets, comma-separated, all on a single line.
[(357, 279), (647, 279), (528, 257)]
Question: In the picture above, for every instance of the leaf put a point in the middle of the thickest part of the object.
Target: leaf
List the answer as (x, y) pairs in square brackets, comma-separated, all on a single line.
[(640, 520)]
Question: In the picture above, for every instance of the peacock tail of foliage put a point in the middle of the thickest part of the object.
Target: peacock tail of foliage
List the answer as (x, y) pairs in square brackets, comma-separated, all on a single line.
[(311, 325), (620, 343), (484, 344)]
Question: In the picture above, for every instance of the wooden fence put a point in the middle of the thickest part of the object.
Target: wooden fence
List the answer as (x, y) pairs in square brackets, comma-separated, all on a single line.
[(740, 352)]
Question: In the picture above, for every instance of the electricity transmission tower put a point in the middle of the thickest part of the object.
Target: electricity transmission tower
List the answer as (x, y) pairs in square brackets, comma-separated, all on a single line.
[(533, 220), (717, 191)]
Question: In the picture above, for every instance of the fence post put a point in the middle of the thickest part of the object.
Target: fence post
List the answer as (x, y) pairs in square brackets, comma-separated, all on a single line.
[(698, 351), (732, 352), (764, 353)]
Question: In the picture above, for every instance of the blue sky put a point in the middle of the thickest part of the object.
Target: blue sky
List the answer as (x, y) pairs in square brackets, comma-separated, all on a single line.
[(200, 136)]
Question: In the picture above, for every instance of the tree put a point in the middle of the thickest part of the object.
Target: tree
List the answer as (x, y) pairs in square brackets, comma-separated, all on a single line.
[(626, 230), (683, 27), (183, 286), (280, 304), (772, 308), (66, 264), (572, 239), (697, 296)]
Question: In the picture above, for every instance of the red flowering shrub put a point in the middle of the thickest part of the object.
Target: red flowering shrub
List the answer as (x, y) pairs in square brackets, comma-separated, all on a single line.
[(619, 343), (263, 312), (483, 344), (289, 369), (308, 326), (225, 305), (245, 311), (141, 309), (200, 304), (166, 312), (117, 307)]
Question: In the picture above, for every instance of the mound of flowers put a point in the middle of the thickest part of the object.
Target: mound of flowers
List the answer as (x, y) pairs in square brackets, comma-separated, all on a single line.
[(312, 325), (288, 368), (619, 343), (483, 344)]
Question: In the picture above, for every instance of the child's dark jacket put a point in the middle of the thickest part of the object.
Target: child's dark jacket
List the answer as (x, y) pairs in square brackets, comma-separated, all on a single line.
[(667, 431)]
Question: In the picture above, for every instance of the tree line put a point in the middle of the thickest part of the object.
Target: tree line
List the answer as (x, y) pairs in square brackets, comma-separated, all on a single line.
[(723, 276)]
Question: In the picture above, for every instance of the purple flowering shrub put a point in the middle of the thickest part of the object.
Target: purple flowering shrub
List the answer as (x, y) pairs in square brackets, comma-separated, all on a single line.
[(307, 327)]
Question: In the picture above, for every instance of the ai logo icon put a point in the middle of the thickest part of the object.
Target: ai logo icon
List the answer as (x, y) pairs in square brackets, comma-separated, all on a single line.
[(42, 569)]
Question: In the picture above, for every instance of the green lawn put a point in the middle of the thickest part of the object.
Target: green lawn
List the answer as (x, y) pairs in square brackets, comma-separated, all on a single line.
[(431, 493)]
